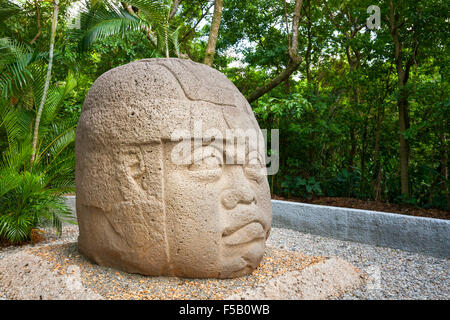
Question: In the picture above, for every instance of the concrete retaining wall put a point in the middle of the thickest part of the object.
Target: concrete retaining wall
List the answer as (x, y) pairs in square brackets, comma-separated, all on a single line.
[(417, 234)]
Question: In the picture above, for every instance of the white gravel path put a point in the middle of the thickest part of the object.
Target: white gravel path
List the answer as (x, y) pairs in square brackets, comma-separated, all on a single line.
[(394, 274)]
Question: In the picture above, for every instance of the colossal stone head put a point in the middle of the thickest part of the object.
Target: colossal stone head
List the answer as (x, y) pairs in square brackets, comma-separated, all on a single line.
[(163, 188)]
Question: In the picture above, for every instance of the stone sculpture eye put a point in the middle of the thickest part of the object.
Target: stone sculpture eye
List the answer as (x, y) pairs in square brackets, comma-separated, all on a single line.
[(254, 168), (208, 163)]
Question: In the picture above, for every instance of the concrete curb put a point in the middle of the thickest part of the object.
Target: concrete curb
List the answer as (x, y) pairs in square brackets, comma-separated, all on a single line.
[(417, 234), (71, 201)]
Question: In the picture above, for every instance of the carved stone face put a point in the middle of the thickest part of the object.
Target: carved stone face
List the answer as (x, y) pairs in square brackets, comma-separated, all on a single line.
[(141, 210), (219, 214)]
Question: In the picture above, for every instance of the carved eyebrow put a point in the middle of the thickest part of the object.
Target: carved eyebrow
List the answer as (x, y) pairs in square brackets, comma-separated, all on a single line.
[(248, 151), (220, 152), (211, 143), (195, 157), (221, 147)]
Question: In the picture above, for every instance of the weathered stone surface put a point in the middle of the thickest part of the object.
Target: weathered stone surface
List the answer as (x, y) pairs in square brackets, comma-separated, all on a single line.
[(139, 210), (325, 280)]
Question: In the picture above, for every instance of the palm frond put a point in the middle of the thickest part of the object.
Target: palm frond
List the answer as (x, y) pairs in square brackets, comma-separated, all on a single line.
[(55, 98), (156, 12), (15, 228), (8, 180), (105, 19), (173, 37), (59, 143), (36, 87), (100, 22), (15, 121), (15, 60), (17, 156)]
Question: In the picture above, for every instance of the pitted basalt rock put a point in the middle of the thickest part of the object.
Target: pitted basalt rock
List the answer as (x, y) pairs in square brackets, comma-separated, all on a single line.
[(140, 209)]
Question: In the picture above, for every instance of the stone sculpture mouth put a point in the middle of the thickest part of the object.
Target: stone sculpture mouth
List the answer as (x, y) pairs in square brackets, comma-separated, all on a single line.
[(247, 233), (241, 216)]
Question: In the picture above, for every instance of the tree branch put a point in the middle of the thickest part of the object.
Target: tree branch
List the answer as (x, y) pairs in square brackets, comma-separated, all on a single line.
[(150, 37), (395, 37), (146, 30), (287, 23), (293, 50), (173, 11), (294, 59), (412, 58), (283, 76), (128, 8), (38, 18), (196, 24), (330, 16)]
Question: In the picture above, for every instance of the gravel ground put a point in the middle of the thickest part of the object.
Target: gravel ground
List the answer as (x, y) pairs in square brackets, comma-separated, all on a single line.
[(393, 274)]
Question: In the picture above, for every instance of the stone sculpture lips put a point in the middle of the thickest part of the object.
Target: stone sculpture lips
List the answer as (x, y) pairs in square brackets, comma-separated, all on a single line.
[(245, 226), (247, 233)]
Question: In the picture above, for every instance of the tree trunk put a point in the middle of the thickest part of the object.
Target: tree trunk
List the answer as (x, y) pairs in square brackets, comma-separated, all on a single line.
[(404, 145), (352, 148), (213, 33), (376, 155), (444, 166), (47, 79), (38, 19), (174, 8), (363, 155), (294, 59), (402, 102), (309, 47), (354, 64)]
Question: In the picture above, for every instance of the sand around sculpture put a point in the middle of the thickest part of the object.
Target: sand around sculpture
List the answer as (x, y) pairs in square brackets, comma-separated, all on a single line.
[(165, 183), (60, 272)]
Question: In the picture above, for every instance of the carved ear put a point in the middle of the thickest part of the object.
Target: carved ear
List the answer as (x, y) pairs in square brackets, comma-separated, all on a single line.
[(139, 172), (131, 172)]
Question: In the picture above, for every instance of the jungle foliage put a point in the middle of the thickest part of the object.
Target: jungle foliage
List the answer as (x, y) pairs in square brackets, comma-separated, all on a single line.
[(362, 112)]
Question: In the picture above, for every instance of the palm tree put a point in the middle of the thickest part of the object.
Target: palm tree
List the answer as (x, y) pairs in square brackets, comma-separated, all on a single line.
[(17, 58), (31, 196), (31, 193), (47, 78), (102, 19)]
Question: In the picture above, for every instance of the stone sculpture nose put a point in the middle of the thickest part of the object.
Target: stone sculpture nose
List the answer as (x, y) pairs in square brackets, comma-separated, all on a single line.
[(240, 190)]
